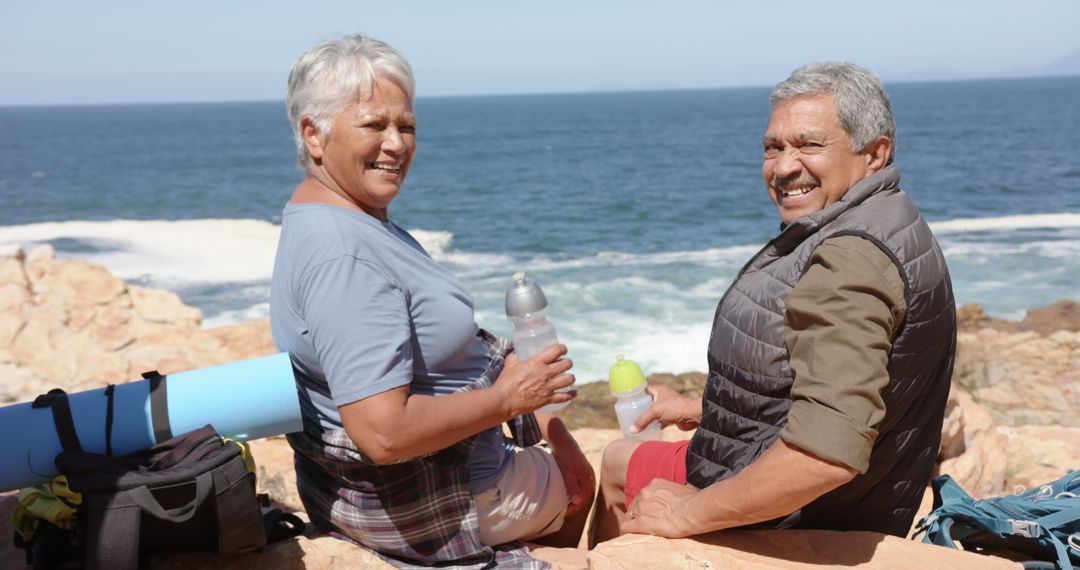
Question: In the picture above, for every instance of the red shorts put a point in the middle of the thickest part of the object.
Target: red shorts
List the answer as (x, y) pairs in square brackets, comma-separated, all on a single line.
[(655, 460)]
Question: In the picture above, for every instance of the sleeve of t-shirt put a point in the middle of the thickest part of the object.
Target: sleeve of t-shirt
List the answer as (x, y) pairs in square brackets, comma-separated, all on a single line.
[(360, 328), (838, 327)]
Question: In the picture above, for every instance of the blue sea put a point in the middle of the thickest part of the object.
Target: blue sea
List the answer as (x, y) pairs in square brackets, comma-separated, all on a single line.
[(633, 210)]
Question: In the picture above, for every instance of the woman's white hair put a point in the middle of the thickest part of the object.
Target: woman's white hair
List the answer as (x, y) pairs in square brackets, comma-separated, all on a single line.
[(335, 74), (861, 102)]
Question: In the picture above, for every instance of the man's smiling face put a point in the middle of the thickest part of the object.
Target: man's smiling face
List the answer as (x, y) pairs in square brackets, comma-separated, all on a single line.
[(809, 163)]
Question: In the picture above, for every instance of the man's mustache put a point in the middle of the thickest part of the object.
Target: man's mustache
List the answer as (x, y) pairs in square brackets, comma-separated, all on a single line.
[(795, 182)]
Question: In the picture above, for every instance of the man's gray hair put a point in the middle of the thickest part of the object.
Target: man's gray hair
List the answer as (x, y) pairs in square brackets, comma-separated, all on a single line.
[(335, 74), (861, 102)]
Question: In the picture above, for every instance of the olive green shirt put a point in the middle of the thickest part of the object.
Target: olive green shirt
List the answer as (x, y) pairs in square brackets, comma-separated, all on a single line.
[(839, 324)]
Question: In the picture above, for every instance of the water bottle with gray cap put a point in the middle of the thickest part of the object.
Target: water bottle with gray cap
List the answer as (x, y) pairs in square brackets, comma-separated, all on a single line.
[(526, 307)]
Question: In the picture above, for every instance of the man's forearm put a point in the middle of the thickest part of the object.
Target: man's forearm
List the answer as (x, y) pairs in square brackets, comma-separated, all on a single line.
[(781, 481)]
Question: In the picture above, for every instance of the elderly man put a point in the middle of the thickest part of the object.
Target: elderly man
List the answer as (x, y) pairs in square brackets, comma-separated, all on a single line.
[(831, 353)]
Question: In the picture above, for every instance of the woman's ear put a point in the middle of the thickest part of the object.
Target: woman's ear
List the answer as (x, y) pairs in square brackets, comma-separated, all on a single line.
[(878, 153), (310, 135)]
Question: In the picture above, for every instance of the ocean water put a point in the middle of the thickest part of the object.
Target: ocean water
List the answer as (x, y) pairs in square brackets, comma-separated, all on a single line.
[(633, 210)]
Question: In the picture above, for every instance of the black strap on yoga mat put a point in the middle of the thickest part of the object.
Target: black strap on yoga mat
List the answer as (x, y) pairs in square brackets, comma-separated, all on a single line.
[(159, 406), (110, 393), (61, 413)]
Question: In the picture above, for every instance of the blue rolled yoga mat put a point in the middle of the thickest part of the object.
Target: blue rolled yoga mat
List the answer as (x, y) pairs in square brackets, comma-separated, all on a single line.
[(242, 400)]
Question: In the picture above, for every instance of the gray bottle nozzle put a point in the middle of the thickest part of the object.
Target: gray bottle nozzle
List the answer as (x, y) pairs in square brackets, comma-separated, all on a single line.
[(524, 297)]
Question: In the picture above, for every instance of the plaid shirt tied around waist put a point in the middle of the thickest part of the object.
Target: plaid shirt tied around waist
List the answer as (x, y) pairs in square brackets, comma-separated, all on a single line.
[(412, 514)]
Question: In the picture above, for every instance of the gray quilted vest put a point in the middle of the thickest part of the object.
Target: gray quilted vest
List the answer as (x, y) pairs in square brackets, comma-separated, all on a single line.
[(746, 399)]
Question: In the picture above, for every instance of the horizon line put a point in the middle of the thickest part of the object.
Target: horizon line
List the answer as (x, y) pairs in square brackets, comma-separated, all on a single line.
[(598, 91)]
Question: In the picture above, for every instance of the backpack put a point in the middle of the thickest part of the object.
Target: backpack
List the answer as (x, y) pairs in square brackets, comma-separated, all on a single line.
[(193, 492), (1043, 523)]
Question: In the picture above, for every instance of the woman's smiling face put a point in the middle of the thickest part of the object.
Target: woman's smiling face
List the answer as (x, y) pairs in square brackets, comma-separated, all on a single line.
[(367, 155)]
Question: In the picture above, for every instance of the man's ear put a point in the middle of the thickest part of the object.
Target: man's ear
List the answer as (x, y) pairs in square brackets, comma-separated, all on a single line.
[(877, 153), (310, 135)]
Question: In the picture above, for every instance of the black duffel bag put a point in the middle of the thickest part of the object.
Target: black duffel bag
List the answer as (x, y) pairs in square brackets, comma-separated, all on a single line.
[(192, 492)]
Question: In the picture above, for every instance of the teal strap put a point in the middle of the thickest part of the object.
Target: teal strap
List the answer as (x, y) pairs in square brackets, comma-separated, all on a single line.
[(1060, 518), (1063, 553)]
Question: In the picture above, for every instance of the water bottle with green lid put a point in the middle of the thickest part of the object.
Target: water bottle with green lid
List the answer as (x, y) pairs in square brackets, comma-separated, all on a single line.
[(526, 307), (627, 384)]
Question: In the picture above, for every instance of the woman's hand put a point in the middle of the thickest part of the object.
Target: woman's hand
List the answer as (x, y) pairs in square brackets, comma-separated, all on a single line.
[(532, 383), (576, 470), (659, 509), (669, 407)]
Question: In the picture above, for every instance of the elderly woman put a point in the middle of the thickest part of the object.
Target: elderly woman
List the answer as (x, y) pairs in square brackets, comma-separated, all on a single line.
[(403, 396)]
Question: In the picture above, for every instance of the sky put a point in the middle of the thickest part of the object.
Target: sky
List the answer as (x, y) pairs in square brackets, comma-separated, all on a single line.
[(113, 51)]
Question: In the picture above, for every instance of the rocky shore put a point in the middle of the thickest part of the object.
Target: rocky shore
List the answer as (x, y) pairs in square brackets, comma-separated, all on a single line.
[(1013, 416)]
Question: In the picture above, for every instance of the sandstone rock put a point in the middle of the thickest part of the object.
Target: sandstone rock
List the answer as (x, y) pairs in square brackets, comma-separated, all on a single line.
[(35, 263), (69, 324), (1040, 454), (965, 421), (159, 306), (746, 550), (11, 323), (10, 557), (108, 327), (33, 347), (1063, 315), (1022, 378), (245, 340), (972, 317), (313, 550), (274, 472), (14, 288), (19, 381), (78, 282), (981, 469)]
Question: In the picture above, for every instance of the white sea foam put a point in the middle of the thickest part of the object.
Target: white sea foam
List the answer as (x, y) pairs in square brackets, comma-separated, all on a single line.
[(175, 254), (435, 242), (255, 312), (1032, 221), (472, 264), (654, 307), (1067, 249), (706, 257), (162, 252), (657, 344)]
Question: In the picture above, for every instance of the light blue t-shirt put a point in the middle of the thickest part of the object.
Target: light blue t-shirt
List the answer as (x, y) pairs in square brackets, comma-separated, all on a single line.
[(362, 308)]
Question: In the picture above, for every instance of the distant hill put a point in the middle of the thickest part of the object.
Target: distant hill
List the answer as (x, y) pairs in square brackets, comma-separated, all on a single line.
[(1066, 65)]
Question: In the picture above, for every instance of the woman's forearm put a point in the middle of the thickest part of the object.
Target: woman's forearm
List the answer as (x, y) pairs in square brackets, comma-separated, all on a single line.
[(394, 425)]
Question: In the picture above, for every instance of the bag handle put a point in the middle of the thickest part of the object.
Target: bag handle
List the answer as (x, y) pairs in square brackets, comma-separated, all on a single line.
[(204, 483)]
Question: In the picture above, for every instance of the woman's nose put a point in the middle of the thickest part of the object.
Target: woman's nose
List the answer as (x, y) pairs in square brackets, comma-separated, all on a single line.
[(393, 142)]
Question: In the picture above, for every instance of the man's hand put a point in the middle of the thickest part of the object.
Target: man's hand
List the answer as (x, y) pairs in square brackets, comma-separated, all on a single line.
[(781, 481), (576, 470), (669, 407), (659, 510)]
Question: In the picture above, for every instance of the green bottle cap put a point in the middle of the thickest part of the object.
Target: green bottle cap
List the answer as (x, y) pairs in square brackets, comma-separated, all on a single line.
[(625, 376)]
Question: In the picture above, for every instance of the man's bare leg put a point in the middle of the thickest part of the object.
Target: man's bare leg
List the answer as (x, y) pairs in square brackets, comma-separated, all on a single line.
[(610, 508)]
